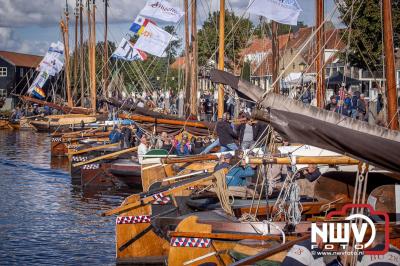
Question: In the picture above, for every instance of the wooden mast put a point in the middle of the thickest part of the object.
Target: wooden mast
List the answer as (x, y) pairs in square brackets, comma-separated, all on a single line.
[(105, 56), (64, 28), (193, 86), (89, 17), (275, 56), (393, 116), (81, 55), (221, 56), (75, 93), (93, 69), (187, 58), (320, 53)]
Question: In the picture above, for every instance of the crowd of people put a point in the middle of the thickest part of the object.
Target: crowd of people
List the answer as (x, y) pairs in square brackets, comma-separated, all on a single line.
[(30, 110)]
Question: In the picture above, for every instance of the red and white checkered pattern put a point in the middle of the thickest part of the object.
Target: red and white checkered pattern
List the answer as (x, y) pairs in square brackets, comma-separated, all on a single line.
[(133, 219), (79, 158), (91, 166), (192, 242), (162, 201), (158, 196)]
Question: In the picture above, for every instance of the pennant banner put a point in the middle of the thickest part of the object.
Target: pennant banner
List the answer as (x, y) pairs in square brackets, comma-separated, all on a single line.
[(162, 10), (37, 86), (154, 40), (53, 61), (282, 11), (126, 51)]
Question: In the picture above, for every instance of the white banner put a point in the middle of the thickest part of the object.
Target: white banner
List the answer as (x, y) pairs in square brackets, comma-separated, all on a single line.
[(126, 51), (53, 61), (154, 40), (282, 11), (162, 10)]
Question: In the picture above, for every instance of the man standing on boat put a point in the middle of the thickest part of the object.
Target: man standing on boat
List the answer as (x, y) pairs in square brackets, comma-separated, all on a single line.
[(142, 148)]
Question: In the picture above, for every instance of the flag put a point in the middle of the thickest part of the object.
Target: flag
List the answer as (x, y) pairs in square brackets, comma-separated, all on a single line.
[(282, 11), (154, 40), (53, 62), (126, 51), (139, 24), (36, 89), (162, 10)]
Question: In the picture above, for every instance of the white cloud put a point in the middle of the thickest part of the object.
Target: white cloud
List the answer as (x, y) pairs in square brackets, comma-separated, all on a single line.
[(9, 41)]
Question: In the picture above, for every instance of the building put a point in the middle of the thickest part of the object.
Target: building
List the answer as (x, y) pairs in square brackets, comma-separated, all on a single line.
[(17, 72)]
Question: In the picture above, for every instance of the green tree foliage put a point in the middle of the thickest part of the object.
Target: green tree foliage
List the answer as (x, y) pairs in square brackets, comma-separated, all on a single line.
[(234, 42), (264, 28), (366, 31)]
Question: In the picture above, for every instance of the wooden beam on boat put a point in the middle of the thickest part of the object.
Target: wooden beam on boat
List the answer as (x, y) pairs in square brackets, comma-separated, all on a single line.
[(105, 156), (151, 198), (93, 149), (140, 118), (331, 160), (65, 109), (189, 159), (269, 252), (225, 236)]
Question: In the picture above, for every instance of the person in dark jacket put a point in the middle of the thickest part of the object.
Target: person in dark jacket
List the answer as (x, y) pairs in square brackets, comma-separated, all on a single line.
[(126, 137), (226, 135), (246, 133)]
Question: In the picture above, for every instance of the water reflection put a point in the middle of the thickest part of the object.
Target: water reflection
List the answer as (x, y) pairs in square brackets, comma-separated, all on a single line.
[(45, 218)]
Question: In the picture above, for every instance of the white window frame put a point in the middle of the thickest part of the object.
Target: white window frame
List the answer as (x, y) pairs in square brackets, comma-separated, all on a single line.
[(3, 93), (3, 71)]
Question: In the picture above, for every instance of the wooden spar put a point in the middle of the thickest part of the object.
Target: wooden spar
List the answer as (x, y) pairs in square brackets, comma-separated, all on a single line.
[(193, 84), (149, 199), (92, 73), (93, 149), (272, 160), (105, 56), (81, 58), (331, 160), (393, 115), (75, 92), (189, 159), (225, 236), (187, 57), (89, 15), (320, 54), (140, 118), (65, 109), (221, 55), (275, 57), (269, 252), (65, 36), (110, 155)]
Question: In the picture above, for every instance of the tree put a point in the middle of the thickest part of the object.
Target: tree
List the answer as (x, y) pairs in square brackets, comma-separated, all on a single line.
[(264, 28), (366, 31), (234, 42)]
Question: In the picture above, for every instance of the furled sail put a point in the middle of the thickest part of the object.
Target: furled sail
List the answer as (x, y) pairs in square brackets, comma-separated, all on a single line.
[(328, 130)]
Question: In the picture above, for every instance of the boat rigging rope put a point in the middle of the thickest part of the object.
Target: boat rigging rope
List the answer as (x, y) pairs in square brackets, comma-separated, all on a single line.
[(221, 189)]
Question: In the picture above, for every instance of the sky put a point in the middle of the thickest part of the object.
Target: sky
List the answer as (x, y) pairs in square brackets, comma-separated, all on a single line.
[(30, 26)]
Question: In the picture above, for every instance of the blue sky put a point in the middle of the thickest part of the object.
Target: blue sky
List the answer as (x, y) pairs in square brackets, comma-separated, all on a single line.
[(30, 28)]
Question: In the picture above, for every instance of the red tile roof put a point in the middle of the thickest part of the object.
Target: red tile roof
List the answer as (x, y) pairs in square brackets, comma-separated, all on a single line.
[(21, 60)]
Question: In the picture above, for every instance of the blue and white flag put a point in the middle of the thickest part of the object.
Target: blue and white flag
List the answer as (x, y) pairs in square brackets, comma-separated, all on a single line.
[(126, 51), (163, 10), (154, 40), (282, 11)]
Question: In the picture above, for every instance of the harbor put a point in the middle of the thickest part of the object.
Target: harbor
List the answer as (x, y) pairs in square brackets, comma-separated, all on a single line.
[(182, 132)]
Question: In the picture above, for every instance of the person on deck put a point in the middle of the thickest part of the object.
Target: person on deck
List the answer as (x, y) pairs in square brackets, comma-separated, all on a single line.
[(246, 133), (237, 175), (226, 135), (332, 105), (362, 108), (126, 137), (182, 148), (115, 135), (311, 173), (142, 148)]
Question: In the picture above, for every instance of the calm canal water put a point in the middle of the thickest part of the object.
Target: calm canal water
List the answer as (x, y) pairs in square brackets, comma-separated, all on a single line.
[(44, 217)]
